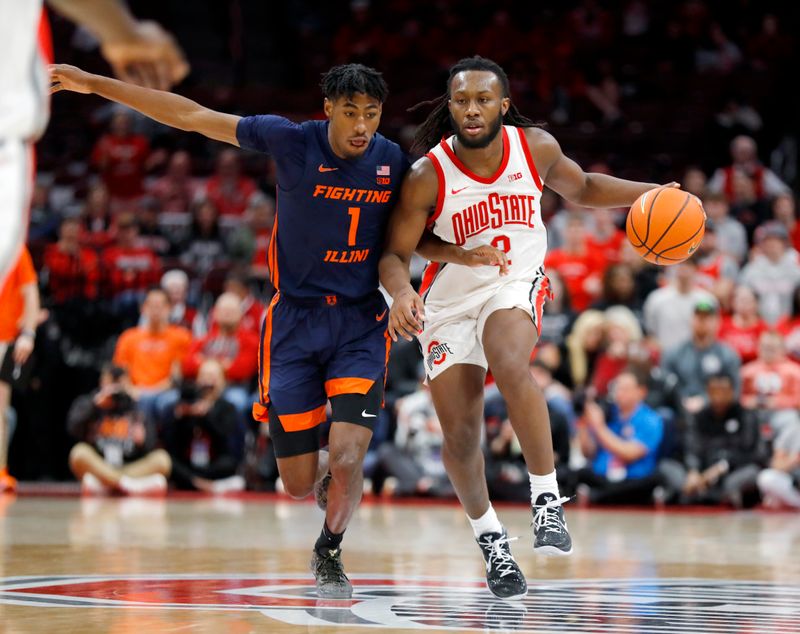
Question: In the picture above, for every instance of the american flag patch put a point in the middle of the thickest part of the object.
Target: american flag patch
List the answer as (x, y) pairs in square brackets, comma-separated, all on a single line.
[(382, 170)]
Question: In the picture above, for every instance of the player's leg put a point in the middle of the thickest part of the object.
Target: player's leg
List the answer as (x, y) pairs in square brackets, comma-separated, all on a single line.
[(7, 482), (155, 462), (508, 331), (84, 459), (458, 397)]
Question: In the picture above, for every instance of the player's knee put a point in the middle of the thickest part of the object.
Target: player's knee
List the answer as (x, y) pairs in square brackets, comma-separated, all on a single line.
[(298, 489), (462, 447), (513, 376), (162, 462), (346, 464), (79, 456)]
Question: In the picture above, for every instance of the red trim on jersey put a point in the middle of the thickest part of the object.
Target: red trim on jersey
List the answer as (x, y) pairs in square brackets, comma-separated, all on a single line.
[(45, 38), (428, 276), (544, 294), (463, 168), (440, 192), (524, 142)]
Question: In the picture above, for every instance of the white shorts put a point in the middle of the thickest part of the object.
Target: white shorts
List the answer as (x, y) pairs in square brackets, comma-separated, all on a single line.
[(450, 337), (16, 185)]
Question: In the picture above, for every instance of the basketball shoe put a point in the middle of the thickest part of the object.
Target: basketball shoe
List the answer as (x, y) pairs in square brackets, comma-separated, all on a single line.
[(503, 576), (328, 571), (321, 491), (550, 534)]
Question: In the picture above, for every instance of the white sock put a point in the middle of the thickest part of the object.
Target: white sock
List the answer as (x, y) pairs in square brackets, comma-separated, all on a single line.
[(152, 483), (778, 484), (486, 523), (228, 485), (543, 484)]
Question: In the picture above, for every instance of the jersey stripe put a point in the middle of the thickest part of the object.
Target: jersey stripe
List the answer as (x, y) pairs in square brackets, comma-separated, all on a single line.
[(467, 172), (441, 190), (527, 151)]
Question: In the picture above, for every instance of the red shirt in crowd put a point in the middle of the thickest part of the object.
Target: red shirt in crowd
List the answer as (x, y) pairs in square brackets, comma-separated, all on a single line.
[(121, 161), (775, 385), (130, 269), (743, 340), (230, 199), (790, 330), (609, 248), (575, 270), (238, 354), (71, 275)]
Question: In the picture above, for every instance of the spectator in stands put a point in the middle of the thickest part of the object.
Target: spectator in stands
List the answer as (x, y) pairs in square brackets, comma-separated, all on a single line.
[(771, 383), (228, 189), (668, 310), (121, 157), (175, 283), (116, 449), (152, 353), (203, 435), (129, 269), (234, 346), (773, 273), (689, 365), (19, 318), (584, 344), (730, 233), (722, 451), (151, 236), (622, 446), (72, 272), (177, 189), (97, 220), (204, 247), (742, 329), (619, 289), (789, 327), (606, 237), (694, 181), (579, 267), (716, 270), (718, 54), (780, 483), (622, 340), (412, 464), (249, 243), (557, 314), (44, 219), (784, 210), (744, 154), (253, 309)]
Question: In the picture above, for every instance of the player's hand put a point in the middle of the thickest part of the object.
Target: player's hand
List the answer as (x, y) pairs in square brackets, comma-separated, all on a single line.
[(406, 315), (486, 255), (149, 57), (672, 185), (23, 348), (66, 77)]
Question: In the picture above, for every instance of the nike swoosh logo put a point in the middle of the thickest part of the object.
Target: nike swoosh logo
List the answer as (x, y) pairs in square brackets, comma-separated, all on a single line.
[(382, 315), (455, 191), (322, 168), (365, 415)]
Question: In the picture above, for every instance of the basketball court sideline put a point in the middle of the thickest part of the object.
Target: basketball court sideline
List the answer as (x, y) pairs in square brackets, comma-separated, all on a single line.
[(241, 565)]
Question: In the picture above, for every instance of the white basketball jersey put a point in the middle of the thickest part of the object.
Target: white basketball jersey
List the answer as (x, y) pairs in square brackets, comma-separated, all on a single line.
[(503, 210), (24, 83)]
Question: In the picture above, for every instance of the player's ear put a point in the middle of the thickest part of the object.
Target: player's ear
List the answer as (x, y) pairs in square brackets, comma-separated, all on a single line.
[(505, 104), (328, 107)]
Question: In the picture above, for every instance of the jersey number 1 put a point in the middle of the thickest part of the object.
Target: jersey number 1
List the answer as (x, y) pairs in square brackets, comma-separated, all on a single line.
[(503, 243), (354, 212)]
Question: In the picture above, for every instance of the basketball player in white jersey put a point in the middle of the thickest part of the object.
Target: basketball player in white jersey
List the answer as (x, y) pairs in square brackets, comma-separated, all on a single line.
[(483, 186), (137, 51)]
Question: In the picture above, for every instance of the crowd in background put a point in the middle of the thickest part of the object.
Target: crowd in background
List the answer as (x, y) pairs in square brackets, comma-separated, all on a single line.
[(664, 385)]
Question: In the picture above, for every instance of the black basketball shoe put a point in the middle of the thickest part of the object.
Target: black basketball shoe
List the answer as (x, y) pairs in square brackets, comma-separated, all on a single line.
[(503, 575), (321, 491), (550, 534), (332, 583)]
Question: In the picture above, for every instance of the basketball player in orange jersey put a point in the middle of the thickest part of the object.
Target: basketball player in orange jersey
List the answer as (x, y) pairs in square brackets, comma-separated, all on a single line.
[(483, 184), (138, 51)]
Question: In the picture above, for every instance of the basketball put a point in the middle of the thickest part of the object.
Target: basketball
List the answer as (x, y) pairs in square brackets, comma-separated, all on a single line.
[(666, 225)]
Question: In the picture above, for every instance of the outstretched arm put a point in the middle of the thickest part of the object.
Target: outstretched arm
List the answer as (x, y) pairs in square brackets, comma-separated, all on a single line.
[(565, 177), (165, 107), (433, 248), (139, 51)]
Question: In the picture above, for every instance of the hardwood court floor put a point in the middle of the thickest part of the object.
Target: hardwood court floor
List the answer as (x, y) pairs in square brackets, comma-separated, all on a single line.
[(240, 565)]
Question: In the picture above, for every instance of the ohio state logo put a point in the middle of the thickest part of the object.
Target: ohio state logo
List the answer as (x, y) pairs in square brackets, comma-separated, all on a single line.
[(437, 353), (680, 605)]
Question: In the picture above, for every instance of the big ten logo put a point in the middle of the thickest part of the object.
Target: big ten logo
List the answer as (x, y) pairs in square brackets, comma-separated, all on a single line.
[(383, 180), (437, 353), (514, 177)]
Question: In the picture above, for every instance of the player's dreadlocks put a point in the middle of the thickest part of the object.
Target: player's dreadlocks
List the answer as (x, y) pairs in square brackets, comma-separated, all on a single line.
[(437, 124), (348, 79)]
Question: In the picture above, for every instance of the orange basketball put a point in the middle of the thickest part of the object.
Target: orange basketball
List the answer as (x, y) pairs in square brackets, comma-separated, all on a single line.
[(665, 225)]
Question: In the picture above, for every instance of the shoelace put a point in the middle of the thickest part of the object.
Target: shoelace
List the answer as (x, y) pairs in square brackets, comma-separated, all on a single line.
[(330, 568), (550, 521), (500, 557)]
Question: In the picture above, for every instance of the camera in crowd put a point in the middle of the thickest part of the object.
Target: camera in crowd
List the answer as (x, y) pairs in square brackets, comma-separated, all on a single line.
[(191, 392)]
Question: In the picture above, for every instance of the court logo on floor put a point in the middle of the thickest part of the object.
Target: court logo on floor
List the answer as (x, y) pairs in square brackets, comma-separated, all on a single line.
[(598, 605)]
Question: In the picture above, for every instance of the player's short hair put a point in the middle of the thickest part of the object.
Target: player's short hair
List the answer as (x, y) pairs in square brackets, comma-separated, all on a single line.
[(347, 80)]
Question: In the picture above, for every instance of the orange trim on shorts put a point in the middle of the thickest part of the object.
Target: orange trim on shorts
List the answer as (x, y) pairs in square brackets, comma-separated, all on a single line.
[(306, 420), (263, 356), (260, 413), (272, 254), (386, 365), (348, 385)]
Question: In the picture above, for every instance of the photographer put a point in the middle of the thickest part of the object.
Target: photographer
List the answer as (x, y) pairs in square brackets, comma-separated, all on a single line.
[(621, 445), (202, 434), (115, 449)]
